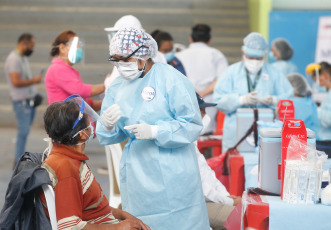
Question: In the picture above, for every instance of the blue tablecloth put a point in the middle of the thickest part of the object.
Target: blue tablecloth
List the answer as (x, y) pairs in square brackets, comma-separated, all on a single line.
[(251, 160), (284, 216)]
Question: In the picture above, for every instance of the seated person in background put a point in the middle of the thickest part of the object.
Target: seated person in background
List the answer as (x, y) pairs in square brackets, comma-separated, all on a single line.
[(219, 202), (305, 108), (282, 51), (314, 70), (79, 200), (166, 46), (324, 113)]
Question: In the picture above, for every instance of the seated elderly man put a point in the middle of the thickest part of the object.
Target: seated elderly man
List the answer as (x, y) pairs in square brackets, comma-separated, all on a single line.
[(219, 202), (79, 200)]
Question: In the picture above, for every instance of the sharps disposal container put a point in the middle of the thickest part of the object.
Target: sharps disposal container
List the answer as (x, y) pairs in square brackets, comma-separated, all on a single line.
[(270, 157), (245, 118)]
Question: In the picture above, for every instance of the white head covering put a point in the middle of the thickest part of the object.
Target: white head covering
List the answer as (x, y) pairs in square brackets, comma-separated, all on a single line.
[(125, 21), (255, 45), (128, 40)]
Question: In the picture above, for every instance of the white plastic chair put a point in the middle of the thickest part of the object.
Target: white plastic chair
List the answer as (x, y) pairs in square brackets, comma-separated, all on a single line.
[(113, 156), (50, 200)]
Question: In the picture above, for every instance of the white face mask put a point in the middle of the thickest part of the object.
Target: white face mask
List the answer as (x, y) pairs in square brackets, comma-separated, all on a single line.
[(253, 66), (129, 70)]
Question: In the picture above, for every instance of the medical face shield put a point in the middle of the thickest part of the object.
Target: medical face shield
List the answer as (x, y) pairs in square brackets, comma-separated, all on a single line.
[(84, 108), (76, 50), (123, 22), (314, 71), (110, 34)]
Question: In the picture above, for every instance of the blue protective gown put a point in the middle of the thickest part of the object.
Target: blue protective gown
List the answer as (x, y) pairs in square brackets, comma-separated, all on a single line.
[(306, 110), (233, 84), (324, 117), (285, 67), (159, 179)]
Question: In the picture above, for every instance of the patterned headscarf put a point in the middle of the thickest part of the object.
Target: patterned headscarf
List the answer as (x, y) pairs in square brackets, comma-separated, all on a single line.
[(128, 40)]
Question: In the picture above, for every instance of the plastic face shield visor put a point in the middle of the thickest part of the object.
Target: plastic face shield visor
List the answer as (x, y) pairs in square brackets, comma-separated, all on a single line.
[(110, 34), (84, 108), (73, 55)]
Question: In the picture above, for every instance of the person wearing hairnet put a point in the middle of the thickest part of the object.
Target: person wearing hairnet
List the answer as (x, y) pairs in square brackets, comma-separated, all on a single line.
[(126, 21), (324, 113), (249, 83), (156, 107), (305, 108), (281, 52), (123, 22)]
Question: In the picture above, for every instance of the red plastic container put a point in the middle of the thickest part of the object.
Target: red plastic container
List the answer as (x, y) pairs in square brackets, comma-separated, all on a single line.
[(291, 128)]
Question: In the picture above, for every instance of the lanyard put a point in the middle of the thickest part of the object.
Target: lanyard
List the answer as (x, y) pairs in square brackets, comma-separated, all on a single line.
[(249, 81)]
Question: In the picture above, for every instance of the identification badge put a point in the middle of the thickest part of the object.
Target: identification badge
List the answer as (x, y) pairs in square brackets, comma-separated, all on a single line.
[(148, 93), (265, 77)]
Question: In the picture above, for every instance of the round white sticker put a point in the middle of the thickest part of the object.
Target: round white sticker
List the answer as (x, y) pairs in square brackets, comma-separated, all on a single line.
[(148, 93)]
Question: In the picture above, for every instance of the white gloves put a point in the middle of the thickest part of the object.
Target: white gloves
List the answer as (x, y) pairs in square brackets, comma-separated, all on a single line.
[(269, 100), (143, 131), (252, 99), (249, 99), (110, 116)]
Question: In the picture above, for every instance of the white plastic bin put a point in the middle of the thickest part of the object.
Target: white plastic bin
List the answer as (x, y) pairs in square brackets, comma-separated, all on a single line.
[(245, 118)]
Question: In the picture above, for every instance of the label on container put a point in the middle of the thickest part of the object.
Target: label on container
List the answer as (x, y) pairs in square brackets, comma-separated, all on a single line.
[(290, 129)]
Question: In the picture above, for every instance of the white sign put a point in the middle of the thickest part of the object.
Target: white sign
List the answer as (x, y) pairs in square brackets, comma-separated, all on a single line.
[(323, 43), (148, 93)]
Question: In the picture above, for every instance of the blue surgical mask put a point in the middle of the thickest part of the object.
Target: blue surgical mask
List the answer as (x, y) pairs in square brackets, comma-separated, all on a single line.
[(320, 89), (272, 57), (169, 56), (79, 55)]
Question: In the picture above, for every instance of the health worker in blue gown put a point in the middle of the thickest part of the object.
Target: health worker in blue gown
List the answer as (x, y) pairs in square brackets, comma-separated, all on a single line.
[(324, 112), (249, 83), (280, 55), (155, 106), (304, 107)]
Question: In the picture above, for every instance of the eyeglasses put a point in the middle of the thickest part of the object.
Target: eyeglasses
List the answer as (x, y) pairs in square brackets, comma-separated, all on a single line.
[(111, 59)]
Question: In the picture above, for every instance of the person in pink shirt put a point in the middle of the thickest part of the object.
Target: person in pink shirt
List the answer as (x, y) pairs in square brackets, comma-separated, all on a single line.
[(62, 80)]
